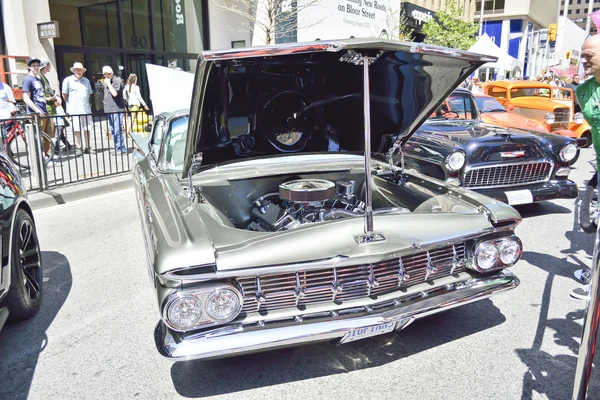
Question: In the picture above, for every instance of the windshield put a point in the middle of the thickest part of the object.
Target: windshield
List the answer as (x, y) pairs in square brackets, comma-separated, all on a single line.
[(530, 91), (487, 104), (457, 106)]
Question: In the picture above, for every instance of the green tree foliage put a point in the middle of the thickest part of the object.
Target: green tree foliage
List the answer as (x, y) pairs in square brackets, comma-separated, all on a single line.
[(450, 30)]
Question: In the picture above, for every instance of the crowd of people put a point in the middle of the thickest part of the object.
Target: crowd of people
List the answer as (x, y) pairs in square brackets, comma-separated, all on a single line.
[(44, 101)]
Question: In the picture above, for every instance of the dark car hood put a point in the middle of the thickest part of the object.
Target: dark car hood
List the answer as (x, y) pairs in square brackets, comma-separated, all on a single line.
[(486, 142), (308, 97)]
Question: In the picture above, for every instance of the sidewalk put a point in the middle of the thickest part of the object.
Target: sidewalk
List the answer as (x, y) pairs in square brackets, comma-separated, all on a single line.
[(78, 191)]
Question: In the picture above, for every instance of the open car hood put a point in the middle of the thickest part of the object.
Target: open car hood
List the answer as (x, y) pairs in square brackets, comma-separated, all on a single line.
[(308, 97)]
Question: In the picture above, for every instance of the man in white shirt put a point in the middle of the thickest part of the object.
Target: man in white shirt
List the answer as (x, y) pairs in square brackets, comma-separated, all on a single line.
[(477, 87), (76, 90)]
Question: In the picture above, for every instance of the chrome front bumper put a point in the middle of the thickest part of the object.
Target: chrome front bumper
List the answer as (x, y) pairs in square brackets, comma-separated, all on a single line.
[(237, 339)]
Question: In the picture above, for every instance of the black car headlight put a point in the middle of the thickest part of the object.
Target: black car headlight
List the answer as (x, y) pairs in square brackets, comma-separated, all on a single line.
[(455, 160), (196, 308), (496, 254), (568, 152)]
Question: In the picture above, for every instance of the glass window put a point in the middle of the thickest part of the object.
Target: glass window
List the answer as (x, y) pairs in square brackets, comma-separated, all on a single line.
[(497, 92), (157, 136), (99, 25), (569, 12), (136, 27), (175, 145), (577, 11), (578, 1)]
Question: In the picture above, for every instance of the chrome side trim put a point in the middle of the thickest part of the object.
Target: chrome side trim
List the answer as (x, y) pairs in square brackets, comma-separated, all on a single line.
[(239, 339)]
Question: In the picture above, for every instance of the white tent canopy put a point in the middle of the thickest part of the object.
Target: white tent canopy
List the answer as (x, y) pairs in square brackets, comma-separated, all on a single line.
[(485, 45)]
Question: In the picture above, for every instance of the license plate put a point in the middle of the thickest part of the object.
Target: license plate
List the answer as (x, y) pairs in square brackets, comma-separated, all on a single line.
[(368, 331), (519, 197)]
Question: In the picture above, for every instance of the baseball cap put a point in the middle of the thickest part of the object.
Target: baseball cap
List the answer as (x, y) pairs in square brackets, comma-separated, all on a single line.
[(31, 60), (107, 69), (44, 62)]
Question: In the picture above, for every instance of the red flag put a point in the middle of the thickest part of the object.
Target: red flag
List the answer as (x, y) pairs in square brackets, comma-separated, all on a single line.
[(595, 16)]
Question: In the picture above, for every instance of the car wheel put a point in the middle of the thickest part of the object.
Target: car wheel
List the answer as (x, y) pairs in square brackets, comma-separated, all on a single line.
[(588, 136), (25, 293)]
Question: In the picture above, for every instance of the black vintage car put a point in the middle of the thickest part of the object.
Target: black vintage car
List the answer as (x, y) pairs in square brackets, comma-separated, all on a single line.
[(21, 268), (510, 165)]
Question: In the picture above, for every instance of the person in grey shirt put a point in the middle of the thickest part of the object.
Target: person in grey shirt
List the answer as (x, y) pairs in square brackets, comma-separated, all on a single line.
[(114, 104), (573, 86)]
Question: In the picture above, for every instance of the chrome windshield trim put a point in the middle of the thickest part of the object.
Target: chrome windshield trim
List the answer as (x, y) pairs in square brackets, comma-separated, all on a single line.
[(339, 45), (473, 168)]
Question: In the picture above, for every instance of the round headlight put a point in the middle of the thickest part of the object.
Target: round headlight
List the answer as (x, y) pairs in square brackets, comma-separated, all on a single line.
[(550, 118), (510, 251), (486, 256), (568, 152), (578, 118), (455, 161), (184, 312), (222, 305)]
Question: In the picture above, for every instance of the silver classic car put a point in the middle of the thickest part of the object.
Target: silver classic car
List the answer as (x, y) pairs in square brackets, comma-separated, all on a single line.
[(274, 215)]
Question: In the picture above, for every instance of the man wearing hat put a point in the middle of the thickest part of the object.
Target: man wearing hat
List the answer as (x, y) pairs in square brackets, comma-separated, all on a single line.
[(33, 89), (76, 90), (34, 95)]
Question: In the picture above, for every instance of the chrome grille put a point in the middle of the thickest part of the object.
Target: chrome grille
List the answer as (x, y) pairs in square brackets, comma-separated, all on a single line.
[(562, 117), (562, 114), (280, 291), (507, 175)]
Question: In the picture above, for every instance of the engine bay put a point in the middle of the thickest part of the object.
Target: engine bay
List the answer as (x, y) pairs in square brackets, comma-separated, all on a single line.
[(306, 201)]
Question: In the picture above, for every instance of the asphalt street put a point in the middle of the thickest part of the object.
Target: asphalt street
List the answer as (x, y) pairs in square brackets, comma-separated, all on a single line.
[(93, 335)]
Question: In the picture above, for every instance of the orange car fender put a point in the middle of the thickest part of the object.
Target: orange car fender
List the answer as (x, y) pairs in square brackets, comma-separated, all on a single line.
[(580, 129)]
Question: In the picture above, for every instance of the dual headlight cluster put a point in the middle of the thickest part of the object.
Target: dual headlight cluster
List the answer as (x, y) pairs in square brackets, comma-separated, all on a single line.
[(497, 253), (193, 309)]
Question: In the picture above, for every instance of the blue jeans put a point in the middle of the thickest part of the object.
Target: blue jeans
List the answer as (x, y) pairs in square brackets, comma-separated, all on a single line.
[(116, 122)]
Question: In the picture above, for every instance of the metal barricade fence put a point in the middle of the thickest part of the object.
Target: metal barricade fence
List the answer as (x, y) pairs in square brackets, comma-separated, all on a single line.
[(72, 148)]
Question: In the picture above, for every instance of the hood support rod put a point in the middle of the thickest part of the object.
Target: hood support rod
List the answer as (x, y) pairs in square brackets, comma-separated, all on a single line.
[(370, 235)]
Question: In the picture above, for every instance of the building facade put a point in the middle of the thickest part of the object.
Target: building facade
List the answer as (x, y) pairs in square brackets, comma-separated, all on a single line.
[(516, 26), (577, 11), (125, 34)]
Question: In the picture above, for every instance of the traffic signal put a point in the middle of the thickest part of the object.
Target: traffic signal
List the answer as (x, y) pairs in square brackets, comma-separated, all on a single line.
[(568, 55), (552, 32)]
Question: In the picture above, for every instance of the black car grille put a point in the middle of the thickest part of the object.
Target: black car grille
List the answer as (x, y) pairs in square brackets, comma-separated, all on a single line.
[(336, 285), (507, 175)]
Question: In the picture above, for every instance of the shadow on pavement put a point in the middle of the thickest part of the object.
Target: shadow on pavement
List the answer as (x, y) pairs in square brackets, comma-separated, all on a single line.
[(232, 375), (553, 375), (539, 209), (21, 343)]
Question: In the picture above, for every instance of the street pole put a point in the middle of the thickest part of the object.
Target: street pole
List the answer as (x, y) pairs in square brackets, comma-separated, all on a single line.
[(481, 18), (589, 19)]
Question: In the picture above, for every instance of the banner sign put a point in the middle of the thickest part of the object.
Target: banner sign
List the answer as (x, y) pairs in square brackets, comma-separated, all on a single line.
[(595, 16), (48, 30)]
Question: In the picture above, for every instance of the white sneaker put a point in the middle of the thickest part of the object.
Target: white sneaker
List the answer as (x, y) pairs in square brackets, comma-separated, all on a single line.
[(581, 292)]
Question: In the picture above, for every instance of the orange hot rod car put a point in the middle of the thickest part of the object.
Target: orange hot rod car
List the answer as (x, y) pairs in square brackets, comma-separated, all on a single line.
[(551, 106)]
